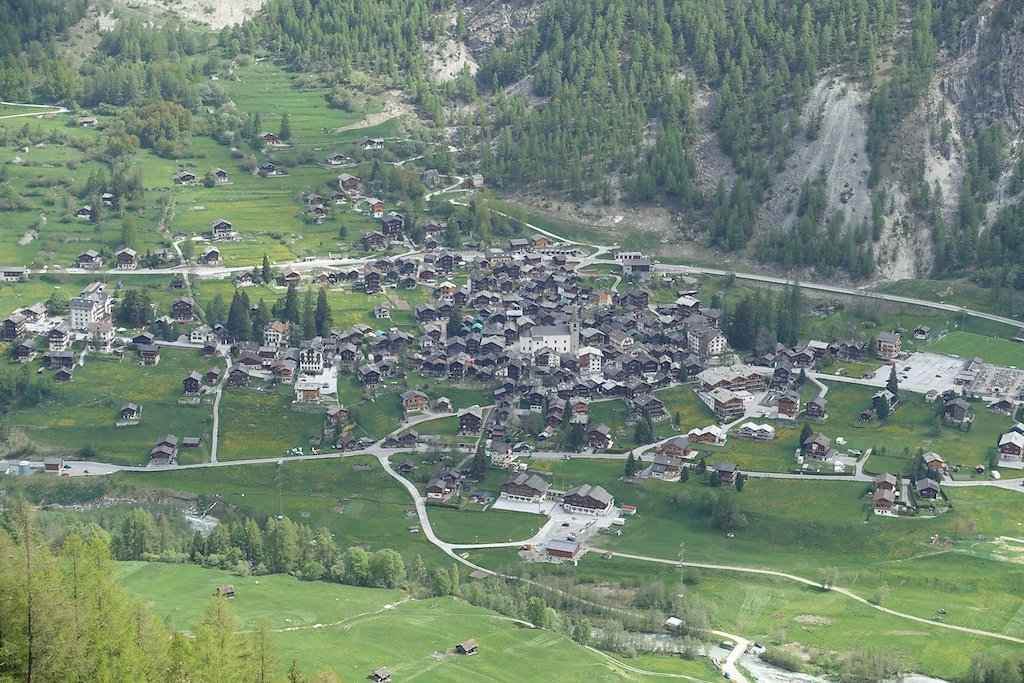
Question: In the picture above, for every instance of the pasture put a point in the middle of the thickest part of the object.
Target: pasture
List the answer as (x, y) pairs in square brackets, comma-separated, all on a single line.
[(352, 497), (81, 414), (263, 425), (356, 630), (488, 526)]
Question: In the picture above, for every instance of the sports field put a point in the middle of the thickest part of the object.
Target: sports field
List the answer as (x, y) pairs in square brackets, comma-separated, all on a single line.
[(990, 349)]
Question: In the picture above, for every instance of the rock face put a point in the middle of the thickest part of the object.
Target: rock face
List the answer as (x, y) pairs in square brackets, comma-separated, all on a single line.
[(986, 80)]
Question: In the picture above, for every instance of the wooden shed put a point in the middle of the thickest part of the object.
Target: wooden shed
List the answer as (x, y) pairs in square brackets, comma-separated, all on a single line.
[(227, 591), (467, 648), (381, 675)]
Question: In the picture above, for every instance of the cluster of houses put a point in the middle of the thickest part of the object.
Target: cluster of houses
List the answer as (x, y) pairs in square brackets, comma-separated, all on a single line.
[(889, 497)]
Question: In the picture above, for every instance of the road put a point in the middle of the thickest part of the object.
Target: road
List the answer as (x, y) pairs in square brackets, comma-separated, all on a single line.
[(51, 109)]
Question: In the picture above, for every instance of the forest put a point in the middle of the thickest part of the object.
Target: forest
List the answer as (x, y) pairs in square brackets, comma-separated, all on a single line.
[(595, 101)]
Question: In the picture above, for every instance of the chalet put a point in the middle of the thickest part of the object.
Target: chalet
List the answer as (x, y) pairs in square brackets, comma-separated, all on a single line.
[(726, 472), (192, 385), (58, 359), (789, 404), (308, 391), (90, 258), (348, 182), (210, 256), (238, 376), (107, 198), (212, 376), (222, 229), (1011, 446), (381, 675), (470, 420), (849, 350), (23, 350), (14, 326), (290, 276), (64, 375), (927, 489), (755, 432), (165, 451), (888, 345), (367, 144), (375, 207), (933, 461), (149, 354), (469, 647), (473, 182), (392, 225), (336, 159), (678, 446), (186, 178), (373, 239), (270, 170), (518, 245), (270, 139), (883, 500), (817, 447), (957, 411), (13, 274), (600, 437), (922, 332), (712, 434), (84, 213), (666, 466), (220, 175), (817, 408), (182, 309), (143, 338), (725, 404), (414, 400), (88, 122), (886, 482), (539, 241), (527, 488), (1003, 406), (368, 375), (650, 406), (127, 259), (587, 500)]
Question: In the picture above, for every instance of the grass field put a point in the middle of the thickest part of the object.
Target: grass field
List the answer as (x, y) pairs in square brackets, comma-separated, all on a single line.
[(911, 426), (353, 498), (490, 526), (258, 425), (990, 349), (356, 630), (81, 414)]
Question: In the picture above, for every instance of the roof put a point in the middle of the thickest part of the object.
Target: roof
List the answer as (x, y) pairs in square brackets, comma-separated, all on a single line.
[(562, 546), (927, 485), (587, 491), (533, 481), (888, 337), (886, 478), (727, 467)]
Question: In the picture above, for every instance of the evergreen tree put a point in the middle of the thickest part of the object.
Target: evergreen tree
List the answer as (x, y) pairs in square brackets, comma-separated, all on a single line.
[(631, 465), (805, 433), (128, 233), (308, 316), (260, 319), (289, 312), (265, 273), (893, 383), (239, 323), (478, 468), (285, 132), (322, 317)]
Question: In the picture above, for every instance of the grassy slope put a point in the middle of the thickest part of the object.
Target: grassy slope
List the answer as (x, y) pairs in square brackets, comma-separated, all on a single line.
[(363, 629), (82, 413)]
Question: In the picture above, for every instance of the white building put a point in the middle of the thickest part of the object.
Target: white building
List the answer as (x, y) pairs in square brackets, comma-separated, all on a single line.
[(557, 338), (311, 359), (89, 308)]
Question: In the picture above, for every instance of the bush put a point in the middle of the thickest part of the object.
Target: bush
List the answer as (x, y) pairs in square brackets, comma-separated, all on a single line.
[(782, 658)]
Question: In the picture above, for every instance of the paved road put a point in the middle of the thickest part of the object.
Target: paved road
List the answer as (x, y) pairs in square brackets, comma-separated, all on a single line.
[(807, 582)]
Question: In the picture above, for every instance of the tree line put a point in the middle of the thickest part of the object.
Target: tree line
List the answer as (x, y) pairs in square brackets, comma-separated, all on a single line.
[(64, 618)]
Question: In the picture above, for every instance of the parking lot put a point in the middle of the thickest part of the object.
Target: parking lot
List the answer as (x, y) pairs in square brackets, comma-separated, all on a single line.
[(927, 371), (560, 525)]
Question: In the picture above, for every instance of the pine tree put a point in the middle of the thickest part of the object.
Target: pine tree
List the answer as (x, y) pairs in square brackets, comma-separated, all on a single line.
[(893, 383), (630, 465), (239, 323), (265, 270), (308, 316), (290, 309), (322, 317), (285, 132)]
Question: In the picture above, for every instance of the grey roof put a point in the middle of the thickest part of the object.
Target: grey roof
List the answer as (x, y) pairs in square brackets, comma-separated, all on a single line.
[(596, 492)]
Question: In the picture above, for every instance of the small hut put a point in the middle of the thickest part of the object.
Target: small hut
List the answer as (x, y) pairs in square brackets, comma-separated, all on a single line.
[(227, 591), (467, 648)]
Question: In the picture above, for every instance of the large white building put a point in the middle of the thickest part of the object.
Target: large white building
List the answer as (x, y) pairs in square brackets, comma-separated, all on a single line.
[(92, 306), (591, 360), (558, 338)]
